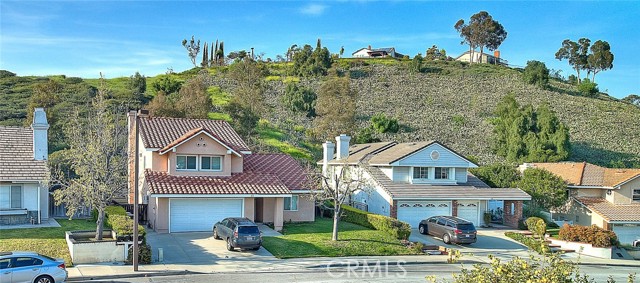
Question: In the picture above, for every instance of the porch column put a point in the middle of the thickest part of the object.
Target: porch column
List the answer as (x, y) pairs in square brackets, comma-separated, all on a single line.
[(278, 214), (394, 210), (249, 208), (454, 208), (512, 212)]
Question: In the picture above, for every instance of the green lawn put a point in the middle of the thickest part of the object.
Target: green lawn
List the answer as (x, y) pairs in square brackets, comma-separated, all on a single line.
[(314, 240), (553, 232), (47, 241)]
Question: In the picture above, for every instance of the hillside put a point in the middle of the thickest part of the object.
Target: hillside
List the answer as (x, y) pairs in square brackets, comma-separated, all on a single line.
[(449, 102)]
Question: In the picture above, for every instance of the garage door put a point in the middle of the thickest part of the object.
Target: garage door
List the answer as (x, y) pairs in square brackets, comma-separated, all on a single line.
[(627, 233), (413, 212), (468, 211), (191, 215)]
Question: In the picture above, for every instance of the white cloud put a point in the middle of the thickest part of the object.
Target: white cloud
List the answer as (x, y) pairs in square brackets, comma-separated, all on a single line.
[(313, 9)]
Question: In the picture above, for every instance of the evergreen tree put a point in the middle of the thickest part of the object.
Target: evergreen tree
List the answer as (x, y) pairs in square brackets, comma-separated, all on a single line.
[(335, 108), (205, 54)]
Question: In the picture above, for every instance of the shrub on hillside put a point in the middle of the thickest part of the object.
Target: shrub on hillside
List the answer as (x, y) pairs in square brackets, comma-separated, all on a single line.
[(395, 227), (588, 88), (593, 235), (536, 73), (383, 124)]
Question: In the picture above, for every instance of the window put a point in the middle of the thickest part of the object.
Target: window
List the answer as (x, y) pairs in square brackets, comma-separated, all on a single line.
[(25, 261), (636, 194), (420, 172), (291, 203), (11, 197), (213, 163), (184, 162), (442, 173), (4, 263), (442, 222)]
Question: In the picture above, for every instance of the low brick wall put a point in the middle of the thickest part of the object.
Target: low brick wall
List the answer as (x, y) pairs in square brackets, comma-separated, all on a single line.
[(584, 248), (94, 251)]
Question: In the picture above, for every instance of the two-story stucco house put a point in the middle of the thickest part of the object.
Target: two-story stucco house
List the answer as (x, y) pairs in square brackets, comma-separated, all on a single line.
[(606, 197), (195, 172), (24, 194), (416, 180)]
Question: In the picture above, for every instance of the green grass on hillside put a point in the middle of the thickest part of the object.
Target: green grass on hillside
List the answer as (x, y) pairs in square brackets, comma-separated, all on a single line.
[(314, 240), (218, 97), (48, 241), (278, 139)]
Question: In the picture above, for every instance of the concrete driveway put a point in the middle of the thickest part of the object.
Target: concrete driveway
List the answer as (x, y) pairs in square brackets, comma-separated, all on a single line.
[(197, 248), (490, 241)]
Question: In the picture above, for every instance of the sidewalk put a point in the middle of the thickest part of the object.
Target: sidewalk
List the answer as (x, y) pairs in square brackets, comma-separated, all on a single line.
[(85, 272)]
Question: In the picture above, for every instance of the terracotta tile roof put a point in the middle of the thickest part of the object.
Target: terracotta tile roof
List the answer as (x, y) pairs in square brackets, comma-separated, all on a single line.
[(586, 174), (187, 136), (16, 156), (420, 191), (242, 183), (610, 211), (159, 132), (287, 169)]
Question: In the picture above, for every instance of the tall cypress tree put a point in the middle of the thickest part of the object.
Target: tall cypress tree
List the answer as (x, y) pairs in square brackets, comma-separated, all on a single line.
[(215, 57), (205, 54)]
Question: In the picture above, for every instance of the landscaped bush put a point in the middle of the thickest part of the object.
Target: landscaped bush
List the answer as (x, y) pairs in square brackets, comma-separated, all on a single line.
[(395, 227), (144, 254), (117, 219), (115, 210), (536, 225), (535, 244), (593, 235)]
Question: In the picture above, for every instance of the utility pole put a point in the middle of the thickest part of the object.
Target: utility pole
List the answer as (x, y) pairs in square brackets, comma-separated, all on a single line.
[(135, 197)]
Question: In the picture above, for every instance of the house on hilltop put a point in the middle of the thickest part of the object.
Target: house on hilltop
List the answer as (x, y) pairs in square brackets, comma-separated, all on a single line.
[(486, 58), (369, 52), (416, 180), (606, 197), (196, 172), (24, 194)]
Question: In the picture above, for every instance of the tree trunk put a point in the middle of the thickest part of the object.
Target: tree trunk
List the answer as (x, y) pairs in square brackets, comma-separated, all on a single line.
[(578, 72), (482, 51), (99, 226), (336, 219), (470, 54)]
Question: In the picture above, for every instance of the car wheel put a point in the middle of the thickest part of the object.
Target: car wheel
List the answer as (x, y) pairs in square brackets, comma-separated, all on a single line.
[(446, 239), (215, 234), (229, 246), (43, 279), (421, 229), (256, 248)]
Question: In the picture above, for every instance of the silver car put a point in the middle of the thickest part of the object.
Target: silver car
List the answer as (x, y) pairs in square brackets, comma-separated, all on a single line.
[(28, 267)]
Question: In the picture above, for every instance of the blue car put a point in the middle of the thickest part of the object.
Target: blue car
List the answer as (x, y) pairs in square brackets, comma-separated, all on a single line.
[(31, 267)]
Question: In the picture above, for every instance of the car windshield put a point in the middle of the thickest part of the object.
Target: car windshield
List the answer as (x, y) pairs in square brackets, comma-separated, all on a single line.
[(248, 230), (468, 226)]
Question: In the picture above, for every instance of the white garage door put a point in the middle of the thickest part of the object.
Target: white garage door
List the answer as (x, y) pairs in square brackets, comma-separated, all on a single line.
[(191, 215), (627, 233), (413, 212), (468, 211)]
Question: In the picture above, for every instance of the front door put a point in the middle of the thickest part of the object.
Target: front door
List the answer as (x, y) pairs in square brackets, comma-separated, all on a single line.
[(259, 207)]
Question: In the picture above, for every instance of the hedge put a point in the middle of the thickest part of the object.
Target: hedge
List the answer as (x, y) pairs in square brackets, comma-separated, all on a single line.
[(120, 222), (536, 225), (400, 230), (593, 235), (534, 244)]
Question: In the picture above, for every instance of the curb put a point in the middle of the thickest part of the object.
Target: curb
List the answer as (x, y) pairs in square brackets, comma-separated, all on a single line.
[(346, 263), (130, 275)]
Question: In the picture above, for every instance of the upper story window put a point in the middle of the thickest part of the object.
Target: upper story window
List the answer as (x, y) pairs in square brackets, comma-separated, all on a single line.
[(186, 162), (636, 195), (442, 173), (213, 163), (421, 172)]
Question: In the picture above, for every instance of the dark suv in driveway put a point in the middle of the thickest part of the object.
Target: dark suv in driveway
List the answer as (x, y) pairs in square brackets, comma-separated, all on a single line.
[(238, 233), (451, 229)]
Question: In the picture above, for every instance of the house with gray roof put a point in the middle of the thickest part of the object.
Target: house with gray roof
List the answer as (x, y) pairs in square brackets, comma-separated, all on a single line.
[(416, 180), (196, 172), (24, 195), (369, 52)]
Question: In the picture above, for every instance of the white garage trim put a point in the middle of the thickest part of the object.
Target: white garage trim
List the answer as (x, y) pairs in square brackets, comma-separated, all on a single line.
[(413, 212), (470, 211), (215, 217)]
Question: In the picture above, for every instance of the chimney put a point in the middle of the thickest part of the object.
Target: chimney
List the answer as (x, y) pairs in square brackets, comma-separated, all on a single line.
[(327, 154), (40, 128), (496, 53), (369, 47), (342, 145), (525, 166)]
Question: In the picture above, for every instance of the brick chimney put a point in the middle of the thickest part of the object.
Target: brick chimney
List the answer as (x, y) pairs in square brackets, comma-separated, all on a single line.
[(40, 127), (342, 142), (496, 53), (369, 47)]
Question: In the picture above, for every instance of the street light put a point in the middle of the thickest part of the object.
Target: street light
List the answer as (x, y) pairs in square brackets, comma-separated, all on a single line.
[(136, 190)]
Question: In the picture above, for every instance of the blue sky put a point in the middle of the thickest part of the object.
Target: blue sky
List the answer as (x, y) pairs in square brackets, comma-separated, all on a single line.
[(118, 38)]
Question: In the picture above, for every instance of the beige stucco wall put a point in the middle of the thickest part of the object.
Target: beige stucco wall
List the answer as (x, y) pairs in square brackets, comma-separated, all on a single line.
[(624, 195), (589, 192), (201, 145), (249, 208), (237, 164), (278, 217), (159, 214), (305, 212), (268, 206)]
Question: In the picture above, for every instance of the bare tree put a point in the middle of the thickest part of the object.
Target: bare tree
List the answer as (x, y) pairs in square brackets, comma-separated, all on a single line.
[(337, 184), (193, 48), (98, 157)]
